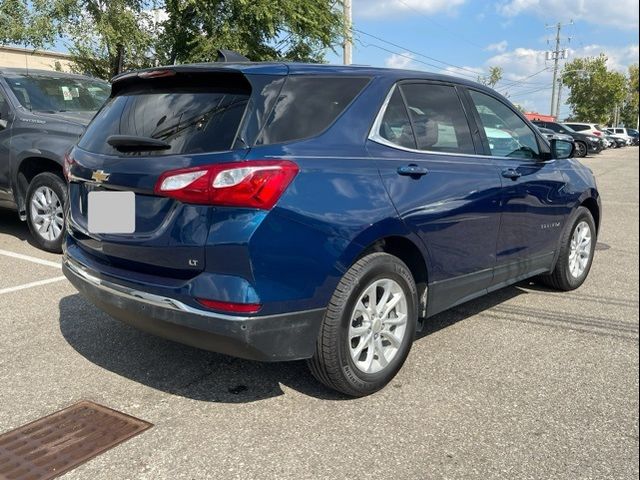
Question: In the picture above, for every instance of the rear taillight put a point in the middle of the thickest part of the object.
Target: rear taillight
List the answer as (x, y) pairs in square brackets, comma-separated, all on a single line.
[(251, 184), (66, 166), (597, 133), (230, 307)]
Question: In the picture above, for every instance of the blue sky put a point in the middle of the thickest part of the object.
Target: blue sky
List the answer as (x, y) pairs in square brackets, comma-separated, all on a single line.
[(474, 34)]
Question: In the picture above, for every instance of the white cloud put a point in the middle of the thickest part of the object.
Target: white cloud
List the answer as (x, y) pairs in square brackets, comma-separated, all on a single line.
[(617, 58), (623, 15), (498, 47), (534, 92), (402, 60), (381, 8)]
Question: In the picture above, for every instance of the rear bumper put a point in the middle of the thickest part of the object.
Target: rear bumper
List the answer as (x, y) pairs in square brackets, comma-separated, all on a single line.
[(271, 338)]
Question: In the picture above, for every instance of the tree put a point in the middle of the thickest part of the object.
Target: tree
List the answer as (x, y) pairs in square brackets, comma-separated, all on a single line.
[(32, 23), (594, 89), (491, 80), (259, 29), (107, 37), (630, 110)]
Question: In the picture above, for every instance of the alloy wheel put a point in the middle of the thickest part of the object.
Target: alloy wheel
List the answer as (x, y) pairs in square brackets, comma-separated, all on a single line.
[(46, 213), (378, 325), (580, 249)]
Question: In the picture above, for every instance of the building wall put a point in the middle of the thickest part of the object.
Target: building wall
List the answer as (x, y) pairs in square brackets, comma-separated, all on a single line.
[(14, 57)]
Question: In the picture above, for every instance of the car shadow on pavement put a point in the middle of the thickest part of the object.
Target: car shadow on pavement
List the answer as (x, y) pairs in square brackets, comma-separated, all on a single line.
[(201, 375), (11, 224)]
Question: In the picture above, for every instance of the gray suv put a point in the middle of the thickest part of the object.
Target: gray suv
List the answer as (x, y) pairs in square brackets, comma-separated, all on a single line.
[(42, 114)]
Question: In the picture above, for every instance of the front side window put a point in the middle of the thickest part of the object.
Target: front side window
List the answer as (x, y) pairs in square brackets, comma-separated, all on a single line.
[(50, 93), (507, 133), (438, 119)]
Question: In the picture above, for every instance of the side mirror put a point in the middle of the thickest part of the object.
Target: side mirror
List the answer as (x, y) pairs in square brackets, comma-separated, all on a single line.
[(561, 149)]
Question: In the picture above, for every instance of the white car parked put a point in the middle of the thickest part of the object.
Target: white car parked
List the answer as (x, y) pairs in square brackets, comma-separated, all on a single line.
[(621, 132), (588, 128)]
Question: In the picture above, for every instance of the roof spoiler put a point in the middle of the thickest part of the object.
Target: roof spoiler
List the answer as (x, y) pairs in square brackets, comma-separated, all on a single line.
[(229, 56)]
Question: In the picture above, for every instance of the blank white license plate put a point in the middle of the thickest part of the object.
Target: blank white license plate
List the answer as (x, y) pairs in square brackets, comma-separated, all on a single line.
[(111, 212)]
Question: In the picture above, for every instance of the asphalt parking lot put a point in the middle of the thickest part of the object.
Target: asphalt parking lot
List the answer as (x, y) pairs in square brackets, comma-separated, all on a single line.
[(523, 384)]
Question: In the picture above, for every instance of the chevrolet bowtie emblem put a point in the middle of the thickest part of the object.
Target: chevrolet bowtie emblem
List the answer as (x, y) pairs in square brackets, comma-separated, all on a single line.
[(99, 176)]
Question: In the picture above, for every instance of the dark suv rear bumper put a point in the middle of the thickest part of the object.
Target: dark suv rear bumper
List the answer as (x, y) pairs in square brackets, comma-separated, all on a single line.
[(271, 338)]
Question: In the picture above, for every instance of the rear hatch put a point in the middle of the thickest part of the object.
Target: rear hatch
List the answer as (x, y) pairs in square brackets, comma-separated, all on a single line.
[(154, 122)]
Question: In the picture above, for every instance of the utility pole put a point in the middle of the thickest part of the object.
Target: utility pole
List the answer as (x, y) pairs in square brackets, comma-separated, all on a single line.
[(556, 55), (557, 115), (348, 33)]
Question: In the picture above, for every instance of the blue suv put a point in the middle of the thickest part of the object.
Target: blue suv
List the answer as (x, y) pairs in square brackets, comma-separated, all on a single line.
[(278, 211)]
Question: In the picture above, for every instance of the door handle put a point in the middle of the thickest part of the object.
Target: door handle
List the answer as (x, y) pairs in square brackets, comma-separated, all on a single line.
[(511, 173), (412, 171)]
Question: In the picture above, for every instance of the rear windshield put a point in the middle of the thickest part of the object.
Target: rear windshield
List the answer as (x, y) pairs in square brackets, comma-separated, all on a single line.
[(307, 105), (190, 119), (43, 93)]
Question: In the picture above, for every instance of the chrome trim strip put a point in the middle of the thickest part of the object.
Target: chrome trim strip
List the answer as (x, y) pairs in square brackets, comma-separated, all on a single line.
[(374, 136), (156, 300)]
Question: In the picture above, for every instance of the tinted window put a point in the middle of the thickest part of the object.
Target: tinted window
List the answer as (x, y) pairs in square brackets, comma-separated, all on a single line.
[(396, 126), (579, 128), (4, 106), (507, 133), (58, 94), (438, 119), (190, 120), (307, 105), (563, 127)]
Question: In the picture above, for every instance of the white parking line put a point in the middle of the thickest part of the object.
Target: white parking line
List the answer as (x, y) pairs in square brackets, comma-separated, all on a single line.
[(48, 263), (32, 284)]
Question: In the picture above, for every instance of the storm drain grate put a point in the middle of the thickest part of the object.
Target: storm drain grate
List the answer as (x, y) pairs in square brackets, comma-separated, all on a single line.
[(57, 443)]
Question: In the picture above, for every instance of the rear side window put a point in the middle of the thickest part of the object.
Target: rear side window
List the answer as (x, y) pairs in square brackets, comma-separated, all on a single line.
[(308, 105), (578, 127), (190, 119), (396, 125), (438, 119)]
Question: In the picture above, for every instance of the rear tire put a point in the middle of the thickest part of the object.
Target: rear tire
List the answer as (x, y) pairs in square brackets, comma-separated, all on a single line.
[(368, 328), (46, 199), (576, 253)]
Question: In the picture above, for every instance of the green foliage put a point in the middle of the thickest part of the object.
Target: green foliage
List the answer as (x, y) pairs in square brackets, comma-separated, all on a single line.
[(259, 29), (106, 37), (630, 110), (594, 89), (33, 23), (111, 36), (491, 80)]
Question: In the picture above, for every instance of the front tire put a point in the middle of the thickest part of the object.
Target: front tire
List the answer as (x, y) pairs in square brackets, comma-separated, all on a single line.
[(581, 149), (576, 253), (46, 198), (368, 328)]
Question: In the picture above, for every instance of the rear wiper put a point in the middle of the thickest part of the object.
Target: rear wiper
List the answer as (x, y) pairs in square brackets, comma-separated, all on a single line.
[(131, 143)]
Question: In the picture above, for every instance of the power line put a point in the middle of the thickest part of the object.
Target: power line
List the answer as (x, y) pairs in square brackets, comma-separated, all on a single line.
[(403, 55), (522, 81), (475, 73), (447, 30), (519, 94)]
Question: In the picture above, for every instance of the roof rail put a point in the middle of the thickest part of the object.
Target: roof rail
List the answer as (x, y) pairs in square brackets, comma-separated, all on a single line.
[(229, 56)]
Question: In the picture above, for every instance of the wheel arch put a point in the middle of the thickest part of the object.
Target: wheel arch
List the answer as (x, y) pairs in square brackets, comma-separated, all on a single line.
[(395, 239), (591, 204), (27, 169)]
